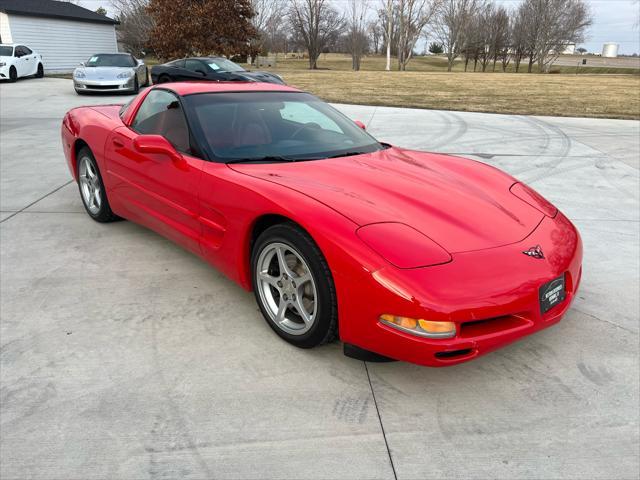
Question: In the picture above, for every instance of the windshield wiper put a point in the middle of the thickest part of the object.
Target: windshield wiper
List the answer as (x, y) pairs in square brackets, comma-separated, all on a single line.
[(267, 159), (346, 154)]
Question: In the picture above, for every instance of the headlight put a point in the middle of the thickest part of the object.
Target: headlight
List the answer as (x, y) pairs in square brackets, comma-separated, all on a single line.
[(2, 64), (125, 75), (79, 74), (402, 245), (419, 326), (533, 198)]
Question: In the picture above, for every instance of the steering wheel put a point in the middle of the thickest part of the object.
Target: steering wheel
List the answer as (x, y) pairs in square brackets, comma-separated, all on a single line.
[(304, 127)]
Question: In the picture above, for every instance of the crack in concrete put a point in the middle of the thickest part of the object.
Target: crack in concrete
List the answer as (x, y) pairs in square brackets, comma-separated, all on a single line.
[(36, 201), (384, 435)]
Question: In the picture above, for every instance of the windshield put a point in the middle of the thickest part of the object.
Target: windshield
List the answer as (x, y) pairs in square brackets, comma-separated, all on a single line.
[(6, 51), (111, 60), (274, 126), (223, 65)]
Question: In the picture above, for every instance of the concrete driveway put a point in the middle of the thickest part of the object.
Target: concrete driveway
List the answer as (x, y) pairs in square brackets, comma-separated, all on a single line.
[(123, 356)]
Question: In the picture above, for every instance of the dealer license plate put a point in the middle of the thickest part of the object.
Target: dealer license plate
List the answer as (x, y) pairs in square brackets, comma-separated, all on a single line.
[(552, 293)]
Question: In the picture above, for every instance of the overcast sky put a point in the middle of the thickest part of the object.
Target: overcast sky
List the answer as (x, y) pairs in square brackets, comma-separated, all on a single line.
[(613, 21)]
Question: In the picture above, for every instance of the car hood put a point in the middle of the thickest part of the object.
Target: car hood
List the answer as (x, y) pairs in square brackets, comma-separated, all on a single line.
[(104, 73), (5, 59), (461, 204)]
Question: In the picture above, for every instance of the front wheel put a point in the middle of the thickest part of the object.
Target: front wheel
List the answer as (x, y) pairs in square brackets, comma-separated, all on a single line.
[(136, 85), (13, 74), (92, 191), (294, 287), (164, 78)]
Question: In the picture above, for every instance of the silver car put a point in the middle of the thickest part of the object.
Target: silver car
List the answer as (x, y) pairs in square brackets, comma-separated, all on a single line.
[(110, 72)]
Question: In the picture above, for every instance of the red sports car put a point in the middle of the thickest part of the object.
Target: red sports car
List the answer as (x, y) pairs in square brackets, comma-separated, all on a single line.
[(426, 258)]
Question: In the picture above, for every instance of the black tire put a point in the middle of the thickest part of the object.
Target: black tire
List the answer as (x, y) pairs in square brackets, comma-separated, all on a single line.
[(40, 71), (13, 74), (136, 87), (104, 213), (164, 78), (324, 328)]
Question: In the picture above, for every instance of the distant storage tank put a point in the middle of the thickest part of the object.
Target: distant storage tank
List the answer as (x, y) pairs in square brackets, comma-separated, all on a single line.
[(610, 50)]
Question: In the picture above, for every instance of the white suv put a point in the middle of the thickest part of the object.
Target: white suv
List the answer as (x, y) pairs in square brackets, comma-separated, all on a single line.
[(19, 61)]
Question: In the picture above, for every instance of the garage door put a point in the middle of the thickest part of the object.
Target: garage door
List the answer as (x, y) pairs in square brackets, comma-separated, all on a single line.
[(63, 44)]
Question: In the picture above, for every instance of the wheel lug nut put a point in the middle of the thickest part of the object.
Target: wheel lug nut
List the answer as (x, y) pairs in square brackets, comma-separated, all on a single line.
[(293, 284), (293, 297), (280, 284), (285, 297)]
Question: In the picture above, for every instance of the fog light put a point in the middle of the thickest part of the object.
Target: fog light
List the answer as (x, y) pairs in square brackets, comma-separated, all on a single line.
[(420, 327)]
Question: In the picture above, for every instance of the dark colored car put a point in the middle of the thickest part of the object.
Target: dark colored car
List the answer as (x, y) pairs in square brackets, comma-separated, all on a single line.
[(215, 69)]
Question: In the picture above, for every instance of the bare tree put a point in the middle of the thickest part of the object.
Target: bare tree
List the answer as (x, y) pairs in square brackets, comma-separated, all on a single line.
[(268, 20), (550, 25), (135, 24), (414, 15), (357, 39), (376, 34), (519, 37), (317, 23), (452, 20), (499, 37), (386, 15)]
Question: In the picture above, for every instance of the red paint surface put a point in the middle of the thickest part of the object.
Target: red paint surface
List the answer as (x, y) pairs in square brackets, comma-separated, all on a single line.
[(468, 225)]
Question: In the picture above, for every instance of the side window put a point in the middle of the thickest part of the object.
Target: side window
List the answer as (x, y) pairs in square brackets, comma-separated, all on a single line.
[(26, 50), (177, 64), (302, 113), (18, 51), (194, 66), (161, 114)]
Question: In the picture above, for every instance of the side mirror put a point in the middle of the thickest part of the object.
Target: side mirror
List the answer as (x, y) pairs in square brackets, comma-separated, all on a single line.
[(82, 64), (156, 144), (360, 124)]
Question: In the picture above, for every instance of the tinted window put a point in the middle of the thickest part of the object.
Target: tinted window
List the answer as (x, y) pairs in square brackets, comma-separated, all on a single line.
[(26, 50), (6, 51), (253, 126), (111, 60), (177, 63), (161, 114), (194, 66), (223, 65)]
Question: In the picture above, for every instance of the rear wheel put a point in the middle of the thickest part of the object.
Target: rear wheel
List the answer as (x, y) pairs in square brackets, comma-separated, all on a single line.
[(13, 74), (92, 191), (40, 71), (164, 78), (294, 287)]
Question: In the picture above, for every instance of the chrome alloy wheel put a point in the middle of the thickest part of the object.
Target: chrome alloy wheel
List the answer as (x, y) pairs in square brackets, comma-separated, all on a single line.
[(286, 288), (90, 185)]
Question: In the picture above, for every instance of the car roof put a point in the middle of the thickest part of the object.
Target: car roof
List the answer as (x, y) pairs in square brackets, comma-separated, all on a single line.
[(10, 44), (190, 88)]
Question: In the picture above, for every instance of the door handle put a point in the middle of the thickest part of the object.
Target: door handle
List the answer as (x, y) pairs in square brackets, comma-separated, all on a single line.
[(118, 143)]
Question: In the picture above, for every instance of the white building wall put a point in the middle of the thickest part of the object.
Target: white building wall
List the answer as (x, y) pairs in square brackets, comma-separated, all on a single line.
[(5, 31), (63, 44)]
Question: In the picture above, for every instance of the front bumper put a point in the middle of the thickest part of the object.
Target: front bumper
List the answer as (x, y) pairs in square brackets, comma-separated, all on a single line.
[(119, 85), (492, 295), (4, 72)]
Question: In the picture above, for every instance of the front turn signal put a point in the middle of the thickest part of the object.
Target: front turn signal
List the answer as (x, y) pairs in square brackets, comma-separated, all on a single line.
[(420, 327)]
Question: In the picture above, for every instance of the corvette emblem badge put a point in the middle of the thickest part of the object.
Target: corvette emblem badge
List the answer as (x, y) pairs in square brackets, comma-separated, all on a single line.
[(535, 252)]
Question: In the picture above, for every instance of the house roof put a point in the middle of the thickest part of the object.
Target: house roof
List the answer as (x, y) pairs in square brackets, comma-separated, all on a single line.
[(53, 9)]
